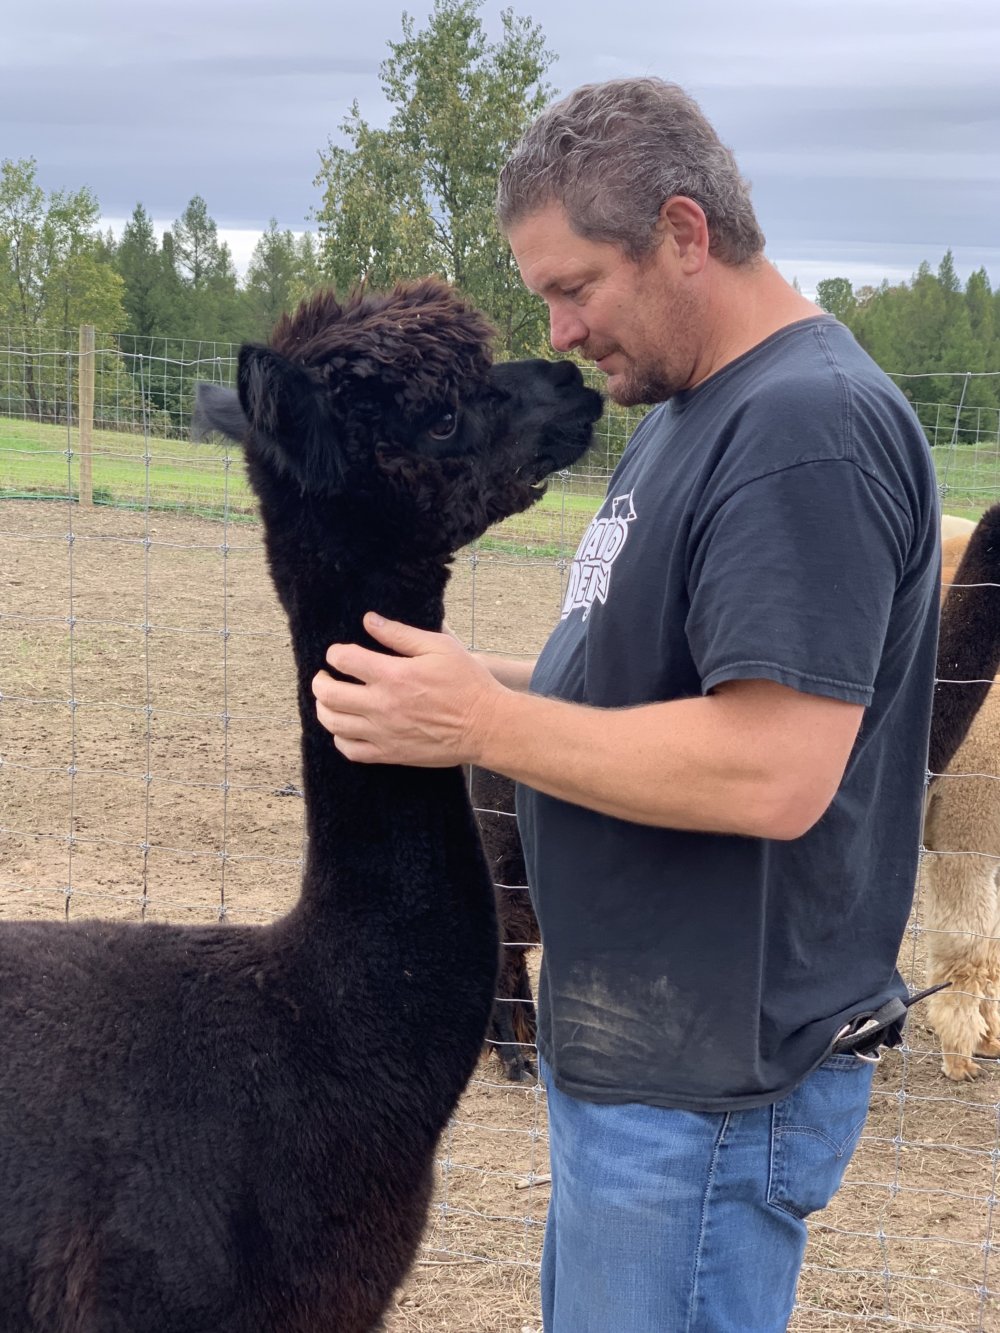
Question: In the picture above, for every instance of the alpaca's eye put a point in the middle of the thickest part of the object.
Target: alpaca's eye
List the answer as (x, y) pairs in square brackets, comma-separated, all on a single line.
[(445, 426)]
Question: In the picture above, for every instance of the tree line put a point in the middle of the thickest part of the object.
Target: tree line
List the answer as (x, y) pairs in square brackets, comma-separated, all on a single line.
[(932, 326), (58, 270), (411, 198)]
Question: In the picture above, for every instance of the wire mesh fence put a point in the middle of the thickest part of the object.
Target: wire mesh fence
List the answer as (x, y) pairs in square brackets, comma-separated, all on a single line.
[(143, 455), (149, 770)]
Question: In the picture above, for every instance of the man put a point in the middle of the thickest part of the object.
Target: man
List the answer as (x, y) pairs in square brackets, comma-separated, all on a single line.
[(723, 746)]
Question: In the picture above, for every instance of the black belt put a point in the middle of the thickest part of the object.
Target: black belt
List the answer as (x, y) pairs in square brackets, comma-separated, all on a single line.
[(866, 1033)]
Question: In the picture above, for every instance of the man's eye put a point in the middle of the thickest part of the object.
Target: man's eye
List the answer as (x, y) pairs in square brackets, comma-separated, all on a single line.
[(445, 426)]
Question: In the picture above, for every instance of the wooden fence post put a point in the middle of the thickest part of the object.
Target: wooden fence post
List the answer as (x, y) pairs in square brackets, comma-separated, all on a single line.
[(86, 414)]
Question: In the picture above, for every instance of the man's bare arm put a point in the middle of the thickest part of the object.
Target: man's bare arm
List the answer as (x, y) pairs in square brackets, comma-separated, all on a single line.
[(753, 757), (513, 672)]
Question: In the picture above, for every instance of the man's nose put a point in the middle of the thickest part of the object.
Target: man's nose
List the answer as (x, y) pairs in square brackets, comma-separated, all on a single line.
[(566, 330)]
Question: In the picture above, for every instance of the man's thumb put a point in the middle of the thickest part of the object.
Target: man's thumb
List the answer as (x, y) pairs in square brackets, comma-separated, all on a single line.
[(406, 640)]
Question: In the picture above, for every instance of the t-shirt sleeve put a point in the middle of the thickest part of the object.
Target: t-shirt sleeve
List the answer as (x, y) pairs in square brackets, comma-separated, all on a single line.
[(792, 580)]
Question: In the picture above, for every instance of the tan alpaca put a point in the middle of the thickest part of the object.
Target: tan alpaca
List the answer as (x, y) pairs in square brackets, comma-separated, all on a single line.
[(953, 526), (961, 897), (962, 823)]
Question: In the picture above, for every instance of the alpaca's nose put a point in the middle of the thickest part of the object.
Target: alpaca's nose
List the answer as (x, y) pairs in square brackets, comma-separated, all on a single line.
[(564, 373)]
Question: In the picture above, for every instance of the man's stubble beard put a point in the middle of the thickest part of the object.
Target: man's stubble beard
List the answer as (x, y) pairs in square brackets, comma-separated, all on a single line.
[(643, 383), (643, 387)]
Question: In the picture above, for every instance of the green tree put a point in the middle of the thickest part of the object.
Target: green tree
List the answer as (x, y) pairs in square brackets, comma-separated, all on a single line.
[(283, 269), (273, 280), (175, 292), (196, 245), (55, 272), (872, 322), (150, 295), (206, 304), (310, 273), (982, 312), (836, 297), (936, 337), (947, 276), (85, 289), (417, 197), (229, 324), (53, 259)]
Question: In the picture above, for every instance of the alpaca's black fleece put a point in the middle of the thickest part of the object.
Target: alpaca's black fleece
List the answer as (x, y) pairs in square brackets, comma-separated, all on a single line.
[(232, 1129)]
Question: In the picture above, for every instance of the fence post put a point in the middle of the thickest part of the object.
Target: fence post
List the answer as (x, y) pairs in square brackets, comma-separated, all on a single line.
[(86, 414)]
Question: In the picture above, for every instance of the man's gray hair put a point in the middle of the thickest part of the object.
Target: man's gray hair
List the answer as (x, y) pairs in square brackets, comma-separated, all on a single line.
[(612, 153)]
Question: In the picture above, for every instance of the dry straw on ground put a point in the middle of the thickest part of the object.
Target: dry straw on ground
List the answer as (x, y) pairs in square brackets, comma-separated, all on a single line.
[(168, 791)]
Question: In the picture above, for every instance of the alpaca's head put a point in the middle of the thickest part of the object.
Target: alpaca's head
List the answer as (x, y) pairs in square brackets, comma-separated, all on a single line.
[(388, 413)]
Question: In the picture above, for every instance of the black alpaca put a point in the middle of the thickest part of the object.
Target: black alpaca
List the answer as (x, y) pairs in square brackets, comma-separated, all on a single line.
[(232, 1129), (512, 1027)]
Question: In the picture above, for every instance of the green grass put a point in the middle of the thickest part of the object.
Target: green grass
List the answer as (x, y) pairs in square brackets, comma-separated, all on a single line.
[(129, 471), (42, 462), (969, 478)]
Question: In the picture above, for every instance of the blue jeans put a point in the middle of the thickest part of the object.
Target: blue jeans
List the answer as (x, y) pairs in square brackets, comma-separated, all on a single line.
[(666, 1221)]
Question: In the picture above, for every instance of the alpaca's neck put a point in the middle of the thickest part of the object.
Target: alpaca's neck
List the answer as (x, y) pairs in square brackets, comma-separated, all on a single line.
[(355, 812), (397, 903), (331, 609)]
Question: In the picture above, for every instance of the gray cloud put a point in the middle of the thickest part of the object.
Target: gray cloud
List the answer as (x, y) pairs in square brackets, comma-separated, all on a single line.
[(867, 130)]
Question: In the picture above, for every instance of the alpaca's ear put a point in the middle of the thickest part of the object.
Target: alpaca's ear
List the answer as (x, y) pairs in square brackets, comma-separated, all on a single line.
[(217, 410), (283, 406), (278, 398)]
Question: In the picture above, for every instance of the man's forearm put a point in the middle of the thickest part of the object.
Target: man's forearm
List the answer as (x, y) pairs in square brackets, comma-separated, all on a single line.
[(620, 762), (743, 761), (514, 672), (753, 757)]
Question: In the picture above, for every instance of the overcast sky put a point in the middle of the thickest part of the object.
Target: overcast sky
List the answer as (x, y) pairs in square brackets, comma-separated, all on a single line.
[(870, 129)]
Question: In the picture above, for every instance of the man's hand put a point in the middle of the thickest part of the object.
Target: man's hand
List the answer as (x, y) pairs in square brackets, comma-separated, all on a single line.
[(430, 707)]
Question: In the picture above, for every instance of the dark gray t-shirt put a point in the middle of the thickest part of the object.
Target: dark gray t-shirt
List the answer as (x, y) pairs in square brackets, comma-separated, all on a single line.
[(778, 522)]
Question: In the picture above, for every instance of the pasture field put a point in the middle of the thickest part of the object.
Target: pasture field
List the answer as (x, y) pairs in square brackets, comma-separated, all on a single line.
[(174, 475), (149, 769), (133, 470)]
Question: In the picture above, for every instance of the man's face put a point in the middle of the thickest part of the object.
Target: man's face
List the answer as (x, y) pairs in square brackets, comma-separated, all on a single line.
[(634, 319)]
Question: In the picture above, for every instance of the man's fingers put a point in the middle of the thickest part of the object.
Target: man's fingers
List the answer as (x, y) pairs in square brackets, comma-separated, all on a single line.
[(359, 752), (350, 659), (344, 696), (403, 639), (343, 724), (362, 664)]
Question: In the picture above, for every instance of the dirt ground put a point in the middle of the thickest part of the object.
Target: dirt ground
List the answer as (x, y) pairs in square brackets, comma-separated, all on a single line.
[(149, 770)]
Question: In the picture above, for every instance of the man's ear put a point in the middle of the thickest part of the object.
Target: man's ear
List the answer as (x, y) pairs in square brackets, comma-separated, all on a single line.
[(684, 221)]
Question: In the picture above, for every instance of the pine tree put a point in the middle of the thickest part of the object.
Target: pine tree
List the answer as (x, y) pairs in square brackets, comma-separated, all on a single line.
[(142, 265), (273, 279)]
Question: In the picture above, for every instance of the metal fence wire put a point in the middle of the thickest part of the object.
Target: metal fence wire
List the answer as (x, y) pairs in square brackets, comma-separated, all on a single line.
[(149, 770)]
